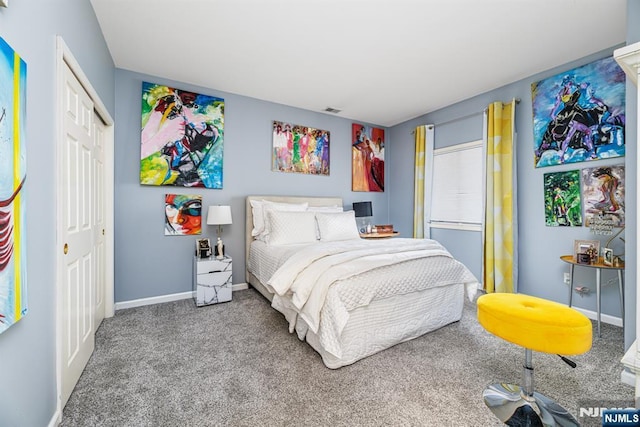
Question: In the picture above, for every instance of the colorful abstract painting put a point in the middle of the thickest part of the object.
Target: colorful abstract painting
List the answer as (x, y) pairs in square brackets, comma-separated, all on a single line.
[(182, 138), (13, 173), (562, 205), (182, 214), (579, 115), (603, 194), (300, 149), (367, 158)]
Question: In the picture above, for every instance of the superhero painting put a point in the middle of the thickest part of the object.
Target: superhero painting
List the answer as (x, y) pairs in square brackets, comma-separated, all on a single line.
[(579, 115)]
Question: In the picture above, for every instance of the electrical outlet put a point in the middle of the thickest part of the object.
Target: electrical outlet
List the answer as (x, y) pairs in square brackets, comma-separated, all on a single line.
[(582, 290), (567, 278)]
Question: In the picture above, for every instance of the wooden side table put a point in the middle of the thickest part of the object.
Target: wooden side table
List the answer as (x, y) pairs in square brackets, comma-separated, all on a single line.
[(598, 266), (379, 235)]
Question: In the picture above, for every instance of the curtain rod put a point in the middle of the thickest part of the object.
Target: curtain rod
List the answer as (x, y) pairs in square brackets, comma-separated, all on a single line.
[(463, 117)]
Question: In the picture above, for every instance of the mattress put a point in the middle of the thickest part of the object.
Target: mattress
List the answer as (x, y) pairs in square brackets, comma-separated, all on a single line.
[(264, 260)]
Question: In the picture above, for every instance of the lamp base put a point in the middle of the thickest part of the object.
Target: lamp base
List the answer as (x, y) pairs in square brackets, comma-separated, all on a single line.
[(364, 225), (219, 249), (512, 407)]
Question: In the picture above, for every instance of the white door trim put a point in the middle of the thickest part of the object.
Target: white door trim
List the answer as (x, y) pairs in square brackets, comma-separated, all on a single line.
[(64, 56)]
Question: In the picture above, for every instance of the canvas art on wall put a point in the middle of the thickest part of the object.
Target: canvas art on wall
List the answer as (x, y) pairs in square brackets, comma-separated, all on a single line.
[(603, 194), (562, 205), (367, 158), (13, 173), (182, 214), (579, 115), (182, 138), (300, 149)]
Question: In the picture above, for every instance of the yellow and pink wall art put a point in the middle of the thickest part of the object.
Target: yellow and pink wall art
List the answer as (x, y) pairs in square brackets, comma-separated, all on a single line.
[(13, 173)]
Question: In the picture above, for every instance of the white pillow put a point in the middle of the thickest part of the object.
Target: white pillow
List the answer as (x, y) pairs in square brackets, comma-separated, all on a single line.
[(287, 228), (258, 218), (334, 208), (258, 210), (337, 226)]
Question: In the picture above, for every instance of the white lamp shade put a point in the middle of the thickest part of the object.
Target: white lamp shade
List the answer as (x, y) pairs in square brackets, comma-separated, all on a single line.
[(219, 215)]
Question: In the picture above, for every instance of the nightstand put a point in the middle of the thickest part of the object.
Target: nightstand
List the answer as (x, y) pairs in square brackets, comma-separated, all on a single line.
[(379, 235), (598, 266), (212, 280)]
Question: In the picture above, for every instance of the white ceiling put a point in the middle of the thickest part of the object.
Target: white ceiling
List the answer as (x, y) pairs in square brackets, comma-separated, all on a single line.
[(379, 61)]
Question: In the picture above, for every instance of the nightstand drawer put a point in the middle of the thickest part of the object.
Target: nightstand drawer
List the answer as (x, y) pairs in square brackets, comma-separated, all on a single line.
[(213, 288), (212, 280), (212, 265)]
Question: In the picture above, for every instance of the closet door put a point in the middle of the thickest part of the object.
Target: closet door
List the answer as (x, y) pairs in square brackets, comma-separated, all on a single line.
[(79, 268), (99, 225)]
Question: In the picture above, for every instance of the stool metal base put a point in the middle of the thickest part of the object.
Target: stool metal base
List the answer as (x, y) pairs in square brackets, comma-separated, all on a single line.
[(515, 408)]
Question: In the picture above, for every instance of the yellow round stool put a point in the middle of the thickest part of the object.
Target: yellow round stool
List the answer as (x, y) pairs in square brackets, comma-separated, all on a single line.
[(535, 324)]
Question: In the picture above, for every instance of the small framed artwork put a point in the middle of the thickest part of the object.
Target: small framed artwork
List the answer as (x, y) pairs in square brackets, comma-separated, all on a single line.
[(203, 248), (588, 247), (584, 258), (607, 256), (182, 214), (562, 203)]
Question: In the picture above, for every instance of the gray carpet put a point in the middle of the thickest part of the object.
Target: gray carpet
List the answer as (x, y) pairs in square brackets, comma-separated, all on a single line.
[(235, 364)]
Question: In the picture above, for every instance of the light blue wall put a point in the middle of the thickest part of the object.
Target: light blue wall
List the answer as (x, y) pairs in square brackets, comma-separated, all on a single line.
[(147, 262), (540, 269), (27, 349)]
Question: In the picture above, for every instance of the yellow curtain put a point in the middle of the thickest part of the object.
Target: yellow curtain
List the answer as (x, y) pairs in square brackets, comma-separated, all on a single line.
[(418, 184), (499, 257)]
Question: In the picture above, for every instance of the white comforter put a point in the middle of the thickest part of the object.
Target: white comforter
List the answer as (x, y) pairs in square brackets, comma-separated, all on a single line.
[(301, 284)]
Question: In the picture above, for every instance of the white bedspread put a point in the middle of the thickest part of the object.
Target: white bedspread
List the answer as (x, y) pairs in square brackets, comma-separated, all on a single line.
[(302, 283)]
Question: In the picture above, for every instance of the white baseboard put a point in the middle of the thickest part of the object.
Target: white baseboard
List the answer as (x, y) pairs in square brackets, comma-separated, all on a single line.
[(167, 298), (153, 300), (55, 420), (604, 318), (240, 286)]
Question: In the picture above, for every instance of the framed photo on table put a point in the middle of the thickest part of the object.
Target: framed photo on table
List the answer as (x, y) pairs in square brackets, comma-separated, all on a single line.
[(588, 247), (203, 248), (607, 256)]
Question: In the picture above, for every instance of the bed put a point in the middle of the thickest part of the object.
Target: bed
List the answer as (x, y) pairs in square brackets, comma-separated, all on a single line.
[(349, 298)]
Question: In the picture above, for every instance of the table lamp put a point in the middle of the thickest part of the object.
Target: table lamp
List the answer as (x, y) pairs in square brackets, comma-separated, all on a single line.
[(219, 215), (363, 213)]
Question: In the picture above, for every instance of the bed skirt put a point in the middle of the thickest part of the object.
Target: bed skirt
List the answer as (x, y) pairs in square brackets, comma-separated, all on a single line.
[(380, 325)]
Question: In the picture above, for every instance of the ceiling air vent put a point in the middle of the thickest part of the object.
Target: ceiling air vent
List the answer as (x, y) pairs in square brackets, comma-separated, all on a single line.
[(332, 110)]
